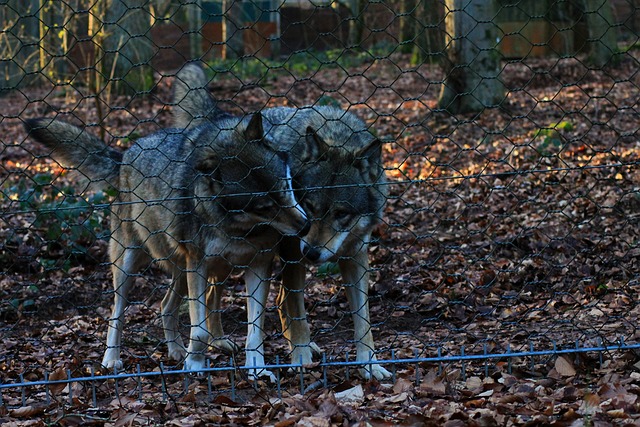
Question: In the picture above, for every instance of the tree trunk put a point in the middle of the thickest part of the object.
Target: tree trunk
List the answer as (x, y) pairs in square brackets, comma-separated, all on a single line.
[(194, 15), (408, 29), (602, 33), (233, 28), (472, 63), (356, 25), (127, 45), (428, 40), (20, 44)]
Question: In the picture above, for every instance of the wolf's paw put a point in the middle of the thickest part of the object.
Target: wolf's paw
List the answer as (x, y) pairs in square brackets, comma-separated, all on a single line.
[(225, 345), (303, 354), (254, 363), (195, 362), (111, 359), (176, 351), (374, 371), (314, 348), (258, 374)]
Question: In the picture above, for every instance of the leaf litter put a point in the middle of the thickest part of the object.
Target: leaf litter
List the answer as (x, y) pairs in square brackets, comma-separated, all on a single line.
[(506, 231)]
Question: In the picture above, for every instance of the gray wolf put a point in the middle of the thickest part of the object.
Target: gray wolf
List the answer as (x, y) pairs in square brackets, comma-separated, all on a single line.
[(198, 202), (339, 181)]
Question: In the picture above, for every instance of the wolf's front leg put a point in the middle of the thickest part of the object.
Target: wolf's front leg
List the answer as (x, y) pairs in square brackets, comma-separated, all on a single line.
[(293, 315), (199, 338), (355, 273), (125, 264), (214, 321), (170, 307), (257, 282)]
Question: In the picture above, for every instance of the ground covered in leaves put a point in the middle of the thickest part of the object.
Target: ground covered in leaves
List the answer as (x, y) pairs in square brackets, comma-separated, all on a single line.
[(511, 231)]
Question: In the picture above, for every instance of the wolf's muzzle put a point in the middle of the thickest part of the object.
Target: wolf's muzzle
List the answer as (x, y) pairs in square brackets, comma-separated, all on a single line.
[(311, 253), (305, 229)]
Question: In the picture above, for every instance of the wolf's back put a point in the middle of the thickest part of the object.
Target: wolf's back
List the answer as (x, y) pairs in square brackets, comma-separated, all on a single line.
[(74, 148)]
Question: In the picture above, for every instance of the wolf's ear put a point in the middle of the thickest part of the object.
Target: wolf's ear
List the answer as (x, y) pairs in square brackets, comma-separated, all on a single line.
[(369, 160), (254, 130), (372, 152), (315, 148)]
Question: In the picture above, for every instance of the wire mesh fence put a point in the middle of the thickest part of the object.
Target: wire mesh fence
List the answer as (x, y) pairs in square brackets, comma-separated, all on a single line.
[(443, 196)]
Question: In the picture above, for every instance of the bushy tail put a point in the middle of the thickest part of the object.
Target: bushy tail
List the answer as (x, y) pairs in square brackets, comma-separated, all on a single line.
[(193, 104), (74, 148)]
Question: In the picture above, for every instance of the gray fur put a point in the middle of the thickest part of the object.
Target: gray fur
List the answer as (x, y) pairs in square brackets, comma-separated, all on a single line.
[(339, 180), (199, 202), (327, 146)]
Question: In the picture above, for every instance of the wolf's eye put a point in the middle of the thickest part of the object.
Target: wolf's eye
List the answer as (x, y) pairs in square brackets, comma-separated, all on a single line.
[(261, 208), (307, 206), (343, 217)]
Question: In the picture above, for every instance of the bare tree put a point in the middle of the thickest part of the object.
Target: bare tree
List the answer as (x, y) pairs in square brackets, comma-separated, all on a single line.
[(472, 63), (127, 45), (233, 28), (194, 18), (38, 29), (427, 32), (602, 33), (356, 24)]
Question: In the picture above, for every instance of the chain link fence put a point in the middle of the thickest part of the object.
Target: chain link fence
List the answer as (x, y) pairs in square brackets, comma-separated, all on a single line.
[(507, 247)]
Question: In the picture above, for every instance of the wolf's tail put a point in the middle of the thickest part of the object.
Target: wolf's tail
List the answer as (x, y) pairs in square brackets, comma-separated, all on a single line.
[(193, 104), (74, 148)]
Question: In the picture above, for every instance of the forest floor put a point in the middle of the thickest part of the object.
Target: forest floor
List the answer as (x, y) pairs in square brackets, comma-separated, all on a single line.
[(511, 230)]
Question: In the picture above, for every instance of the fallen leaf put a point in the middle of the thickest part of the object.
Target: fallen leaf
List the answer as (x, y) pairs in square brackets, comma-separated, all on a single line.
[(398, 398), (58, 375), (286, 423), (564, 367), (487, 393), (189, 397), (352, 395), (433, 383), (403, 384), (328, 407), (618, 394), (28, 411), (314, 422), (125, 420), (618, 413)]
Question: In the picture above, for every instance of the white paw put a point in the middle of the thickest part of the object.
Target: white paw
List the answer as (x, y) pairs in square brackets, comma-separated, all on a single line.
[(195, 362), (176, 351), (254, 360), (225, 345), (111, 360), (314, 348), (302, 355), (257, 374), (374, 371)]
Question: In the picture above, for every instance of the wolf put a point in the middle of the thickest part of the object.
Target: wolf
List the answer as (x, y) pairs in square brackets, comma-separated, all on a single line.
[(339, 181), (198, 202)]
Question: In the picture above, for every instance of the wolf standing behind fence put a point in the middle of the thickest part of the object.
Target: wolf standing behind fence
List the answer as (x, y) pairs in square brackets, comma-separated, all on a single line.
[(339, 181), (197, 201)]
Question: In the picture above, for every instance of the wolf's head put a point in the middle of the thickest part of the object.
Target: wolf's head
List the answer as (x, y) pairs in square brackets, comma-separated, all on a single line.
[(343, 194), (249, 180)]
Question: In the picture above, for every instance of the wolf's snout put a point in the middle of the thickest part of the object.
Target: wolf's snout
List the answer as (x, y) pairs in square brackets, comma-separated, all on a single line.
[(294, 225), (305, 229), (311, 253)]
